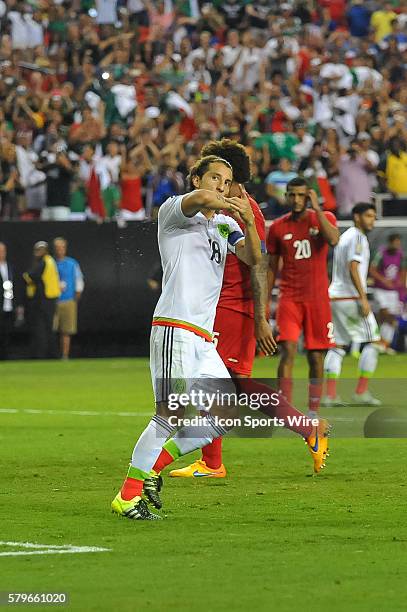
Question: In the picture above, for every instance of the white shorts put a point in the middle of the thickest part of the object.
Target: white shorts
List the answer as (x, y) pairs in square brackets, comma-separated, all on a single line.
[(387, 299), (180, 360), (350, 325)]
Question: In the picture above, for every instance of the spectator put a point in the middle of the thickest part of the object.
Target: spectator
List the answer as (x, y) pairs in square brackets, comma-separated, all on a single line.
[(234, 13), (90, 176), (232, 49), (318, 168), (135, 167), (8, 181), (304, 146), (354, 179), (43, 290), (358, 17), (90, 129), (395, 168), (381, 21), (72, 286), (6, 302), (276, 185), (109, 169), (59, 169), (166, 181)]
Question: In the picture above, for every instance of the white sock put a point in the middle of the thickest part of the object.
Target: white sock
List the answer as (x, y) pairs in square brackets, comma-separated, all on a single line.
[(190, 438), (149, 444), (387, 332), (355, 347), (333, 362), (368, 359)]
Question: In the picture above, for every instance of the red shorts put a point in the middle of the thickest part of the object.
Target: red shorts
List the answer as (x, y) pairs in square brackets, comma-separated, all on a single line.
[(235, 340), (314, 318)]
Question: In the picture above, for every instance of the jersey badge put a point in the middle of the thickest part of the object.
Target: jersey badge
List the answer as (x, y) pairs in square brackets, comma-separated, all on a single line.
[(287, 236), (314, 231), (223, 230)]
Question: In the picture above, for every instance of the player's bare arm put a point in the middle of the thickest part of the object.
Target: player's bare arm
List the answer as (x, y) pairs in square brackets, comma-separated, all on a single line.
[(374, 273), (273, 261), (264, 335), (247, 250), (203, 199), (355, 276), (328, 231)]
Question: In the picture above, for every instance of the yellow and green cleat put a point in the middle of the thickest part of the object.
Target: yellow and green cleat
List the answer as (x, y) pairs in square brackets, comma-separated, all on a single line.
[(135, 509)]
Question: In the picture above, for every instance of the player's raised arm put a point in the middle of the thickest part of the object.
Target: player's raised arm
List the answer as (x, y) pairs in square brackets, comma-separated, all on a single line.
[(329, 231), (202, 199), (249, 249)]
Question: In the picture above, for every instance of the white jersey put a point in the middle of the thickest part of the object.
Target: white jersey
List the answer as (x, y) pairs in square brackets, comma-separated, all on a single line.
[(352, 246), (193, 253)]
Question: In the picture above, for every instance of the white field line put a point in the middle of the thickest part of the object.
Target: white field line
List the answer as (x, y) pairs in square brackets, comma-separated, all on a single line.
[(47, 549), (90, 413)]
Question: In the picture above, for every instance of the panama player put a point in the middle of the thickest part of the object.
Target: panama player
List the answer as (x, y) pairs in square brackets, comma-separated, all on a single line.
[(300, 239)]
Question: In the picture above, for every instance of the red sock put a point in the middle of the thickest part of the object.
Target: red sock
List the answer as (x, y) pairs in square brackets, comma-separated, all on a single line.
[(164, 459), (314, 396), (131, 488), (362, 384), (331, 387), (283, 410), (286, 387), (212, 454)]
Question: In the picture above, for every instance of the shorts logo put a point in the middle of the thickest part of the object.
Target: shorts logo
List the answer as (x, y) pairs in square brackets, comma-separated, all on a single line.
[(287, 236), (223, 230), (233, 360), (314, 231), (178, 385)]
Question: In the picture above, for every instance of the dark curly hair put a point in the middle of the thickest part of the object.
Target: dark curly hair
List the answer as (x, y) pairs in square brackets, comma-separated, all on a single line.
[(234, 153)]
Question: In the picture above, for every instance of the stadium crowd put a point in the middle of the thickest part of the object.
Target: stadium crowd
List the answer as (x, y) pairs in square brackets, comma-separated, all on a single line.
[(105, 104)]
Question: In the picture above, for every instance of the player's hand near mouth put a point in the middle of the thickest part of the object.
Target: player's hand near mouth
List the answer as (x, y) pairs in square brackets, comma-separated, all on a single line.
[(240, 207)]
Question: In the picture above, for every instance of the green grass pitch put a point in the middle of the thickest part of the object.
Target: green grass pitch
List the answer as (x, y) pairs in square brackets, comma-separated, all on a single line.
[(268, 537)]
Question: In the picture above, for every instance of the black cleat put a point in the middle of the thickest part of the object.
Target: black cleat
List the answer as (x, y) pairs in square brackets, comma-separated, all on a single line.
[(152, 487)]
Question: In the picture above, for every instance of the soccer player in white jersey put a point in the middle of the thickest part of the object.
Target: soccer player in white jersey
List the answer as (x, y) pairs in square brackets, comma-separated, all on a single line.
[(193, 241), (352, 316)]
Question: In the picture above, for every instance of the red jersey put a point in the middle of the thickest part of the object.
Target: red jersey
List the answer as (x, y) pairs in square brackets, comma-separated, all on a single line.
[(236, 293), (304, 275)]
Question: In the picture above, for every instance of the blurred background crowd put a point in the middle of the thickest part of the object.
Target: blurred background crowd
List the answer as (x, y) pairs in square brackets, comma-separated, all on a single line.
[(106, 103)]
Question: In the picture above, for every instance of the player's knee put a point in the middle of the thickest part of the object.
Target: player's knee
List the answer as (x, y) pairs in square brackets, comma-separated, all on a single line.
[(288, 352)]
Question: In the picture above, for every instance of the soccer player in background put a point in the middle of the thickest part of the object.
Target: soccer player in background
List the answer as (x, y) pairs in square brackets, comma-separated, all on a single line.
[(352, 315), (388, 269), (241, 312), (300, 239)]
